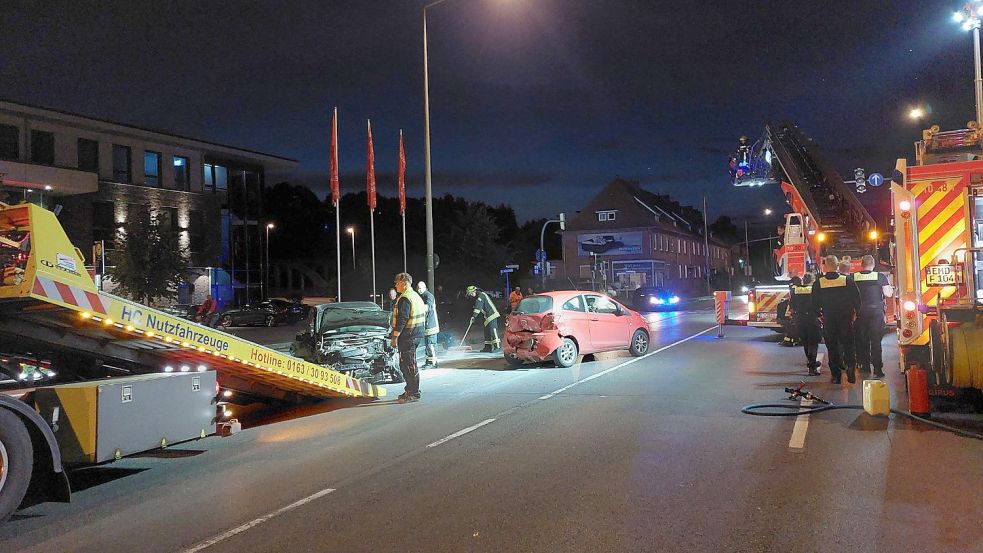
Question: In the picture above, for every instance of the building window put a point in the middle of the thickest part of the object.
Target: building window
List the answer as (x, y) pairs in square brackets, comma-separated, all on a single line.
[(104, 224), (43, 147), (216, 177), (122, 171), (151, 168), (9, 142), (88, 155), (606, 215), (168, 217), (181, 180)]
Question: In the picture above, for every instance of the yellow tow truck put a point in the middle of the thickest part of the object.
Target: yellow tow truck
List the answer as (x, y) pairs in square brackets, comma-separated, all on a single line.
[(112, 377)]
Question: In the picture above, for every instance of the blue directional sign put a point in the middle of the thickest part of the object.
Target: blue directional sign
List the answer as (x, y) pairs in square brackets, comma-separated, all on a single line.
[(875, 179), (540, 255)]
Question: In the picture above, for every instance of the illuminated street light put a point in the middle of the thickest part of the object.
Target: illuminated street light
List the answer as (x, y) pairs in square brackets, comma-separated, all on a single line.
[(266, 273), (873, 235), (768, 211), (916, 113), (351, 230), (969, 16)]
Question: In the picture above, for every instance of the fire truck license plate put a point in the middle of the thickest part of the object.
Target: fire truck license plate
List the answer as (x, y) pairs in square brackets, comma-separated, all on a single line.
[(940, 275)]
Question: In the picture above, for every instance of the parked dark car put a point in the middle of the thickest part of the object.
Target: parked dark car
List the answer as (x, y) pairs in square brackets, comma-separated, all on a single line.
[(181, 310), (655, 298), (295, 310), (262, 313)]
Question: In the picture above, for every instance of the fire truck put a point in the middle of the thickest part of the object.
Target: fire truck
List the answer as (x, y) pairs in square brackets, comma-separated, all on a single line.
[(96, 377), (938, 254), (824, 215)]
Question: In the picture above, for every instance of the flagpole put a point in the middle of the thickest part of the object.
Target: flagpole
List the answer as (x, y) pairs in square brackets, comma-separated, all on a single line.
[(401, 186), (372, 235), (337, 200), (404, 243)]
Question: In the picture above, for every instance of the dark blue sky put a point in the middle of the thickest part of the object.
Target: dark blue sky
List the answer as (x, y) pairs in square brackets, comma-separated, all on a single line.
[(535, 103)]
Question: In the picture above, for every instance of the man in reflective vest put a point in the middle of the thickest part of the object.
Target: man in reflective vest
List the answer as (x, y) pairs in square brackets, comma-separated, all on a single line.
[(873, 288), (408, 322), (806, 321), (432, 327), (483, 306), (837, 299)]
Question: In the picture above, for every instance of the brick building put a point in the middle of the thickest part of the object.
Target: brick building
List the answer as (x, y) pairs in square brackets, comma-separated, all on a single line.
[(627, 237), (100, 171)]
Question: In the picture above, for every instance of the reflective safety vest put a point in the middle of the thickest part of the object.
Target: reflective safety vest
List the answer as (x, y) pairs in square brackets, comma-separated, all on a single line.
[(866, 276), (837, 282), (418, 312), (484, 306), (798, 290)]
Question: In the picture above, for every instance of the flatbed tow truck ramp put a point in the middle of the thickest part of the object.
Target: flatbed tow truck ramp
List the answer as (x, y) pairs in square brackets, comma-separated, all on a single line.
[(51, 310)]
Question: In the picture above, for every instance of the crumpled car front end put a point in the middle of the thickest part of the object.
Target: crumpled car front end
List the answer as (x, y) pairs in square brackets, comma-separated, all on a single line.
[(365, 355)]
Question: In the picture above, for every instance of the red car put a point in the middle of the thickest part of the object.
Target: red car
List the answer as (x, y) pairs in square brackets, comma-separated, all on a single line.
[(563, 325)]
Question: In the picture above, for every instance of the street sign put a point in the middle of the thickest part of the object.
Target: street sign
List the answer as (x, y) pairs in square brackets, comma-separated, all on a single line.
[(941, 275), (875, 179), (506, 270), (513, 267), (540, 255)]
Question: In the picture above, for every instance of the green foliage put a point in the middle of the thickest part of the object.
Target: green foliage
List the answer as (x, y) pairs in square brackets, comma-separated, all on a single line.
[(149, 260)]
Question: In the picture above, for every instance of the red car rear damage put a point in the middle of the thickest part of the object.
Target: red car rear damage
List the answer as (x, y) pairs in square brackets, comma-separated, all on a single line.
[(563, 325)]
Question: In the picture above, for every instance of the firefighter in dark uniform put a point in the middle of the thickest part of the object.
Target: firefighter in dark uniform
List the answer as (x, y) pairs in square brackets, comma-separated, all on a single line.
[(432, 327), (870, 324), (483, 306), (837, 299), (408, 321), (785, 317), (806, 321)]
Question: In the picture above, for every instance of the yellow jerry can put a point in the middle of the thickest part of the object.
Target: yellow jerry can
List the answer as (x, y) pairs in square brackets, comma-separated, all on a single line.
[(877, 397)]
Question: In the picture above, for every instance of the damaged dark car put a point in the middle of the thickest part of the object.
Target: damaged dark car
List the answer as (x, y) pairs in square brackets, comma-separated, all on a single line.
[(352, 338)]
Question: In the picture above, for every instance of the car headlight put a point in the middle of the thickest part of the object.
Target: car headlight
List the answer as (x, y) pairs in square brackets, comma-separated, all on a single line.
[(653, 300), (658, 301), (674, 299)]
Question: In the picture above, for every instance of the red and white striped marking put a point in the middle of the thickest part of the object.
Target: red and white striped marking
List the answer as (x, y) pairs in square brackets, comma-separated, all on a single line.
[(59, 291)]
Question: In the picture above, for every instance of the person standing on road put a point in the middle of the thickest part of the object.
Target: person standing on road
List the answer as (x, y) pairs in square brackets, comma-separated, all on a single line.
[(483, 306), (408, 321), (432, 326), (807, 322), (837, 298), (515, 297), (873, 288)]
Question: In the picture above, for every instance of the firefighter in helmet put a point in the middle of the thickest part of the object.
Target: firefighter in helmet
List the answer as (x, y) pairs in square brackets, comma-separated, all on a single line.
[(483, 306)]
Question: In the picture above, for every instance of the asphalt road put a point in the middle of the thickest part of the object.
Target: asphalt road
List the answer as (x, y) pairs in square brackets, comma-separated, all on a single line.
[(612, 454)]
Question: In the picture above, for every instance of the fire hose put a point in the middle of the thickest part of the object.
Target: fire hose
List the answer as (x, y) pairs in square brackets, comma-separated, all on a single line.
[(794, 410)]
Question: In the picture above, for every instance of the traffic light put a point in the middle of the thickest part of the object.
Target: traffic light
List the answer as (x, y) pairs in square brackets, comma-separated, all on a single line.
[(861, 180)]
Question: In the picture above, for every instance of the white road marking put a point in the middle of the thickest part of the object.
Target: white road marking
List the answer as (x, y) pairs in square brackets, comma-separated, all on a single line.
[(798, 440), (460, 433), (622, 365), (256, 522)]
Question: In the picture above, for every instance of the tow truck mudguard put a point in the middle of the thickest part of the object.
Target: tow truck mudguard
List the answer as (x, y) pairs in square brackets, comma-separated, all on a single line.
[(48, 483)]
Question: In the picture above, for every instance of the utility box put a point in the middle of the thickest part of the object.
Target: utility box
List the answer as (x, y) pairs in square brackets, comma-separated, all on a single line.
[(104, 420), (877, 397)]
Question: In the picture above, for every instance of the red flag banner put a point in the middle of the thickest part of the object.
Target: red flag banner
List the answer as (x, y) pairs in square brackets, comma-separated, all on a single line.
[(370, 171), (402, 176), (335, 183)]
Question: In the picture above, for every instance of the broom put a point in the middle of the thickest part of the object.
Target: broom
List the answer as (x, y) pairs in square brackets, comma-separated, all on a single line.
[(462, 348)]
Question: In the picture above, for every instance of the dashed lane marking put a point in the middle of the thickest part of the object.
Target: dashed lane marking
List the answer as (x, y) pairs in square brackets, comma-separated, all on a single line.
[(798, 440), (256, 522), (460, 433), (623, 365)]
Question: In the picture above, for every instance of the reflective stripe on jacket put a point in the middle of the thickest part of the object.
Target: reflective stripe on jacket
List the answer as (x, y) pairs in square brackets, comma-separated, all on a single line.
[(410, 315), (483, 306)]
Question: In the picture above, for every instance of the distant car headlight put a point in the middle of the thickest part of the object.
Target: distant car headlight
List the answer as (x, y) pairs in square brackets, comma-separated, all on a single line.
[(744, 289), (657, 301), (674, 299)]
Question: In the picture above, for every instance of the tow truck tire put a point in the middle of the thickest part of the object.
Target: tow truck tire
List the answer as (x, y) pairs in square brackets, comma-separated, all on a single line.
[(16, 462)]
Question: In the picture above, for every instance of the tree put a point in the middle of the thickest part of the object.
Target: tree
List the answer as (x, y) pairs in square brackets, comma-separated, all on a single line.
[(150, 262)]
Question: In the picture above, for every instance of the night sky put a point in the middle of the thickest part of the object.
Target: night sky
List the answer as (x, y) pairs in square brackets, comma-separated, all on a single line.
[(535, 103)]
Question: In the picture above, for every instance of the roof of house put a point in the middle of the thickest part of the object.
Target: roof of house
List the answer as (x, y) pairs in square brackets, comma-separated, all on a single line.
[(637, 207)]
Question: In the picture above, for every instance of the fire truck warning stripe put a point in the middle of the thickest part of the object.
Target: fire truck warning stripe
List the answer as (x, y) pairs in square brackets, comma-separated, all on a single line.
[(930, 202), (952, 239), (943, 220)]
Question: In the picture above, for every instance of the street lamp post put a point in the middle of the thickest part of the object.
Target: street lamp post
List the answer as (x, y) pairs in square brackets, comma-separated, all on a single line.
[(969, 15), (351, 231), (266, 275)]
